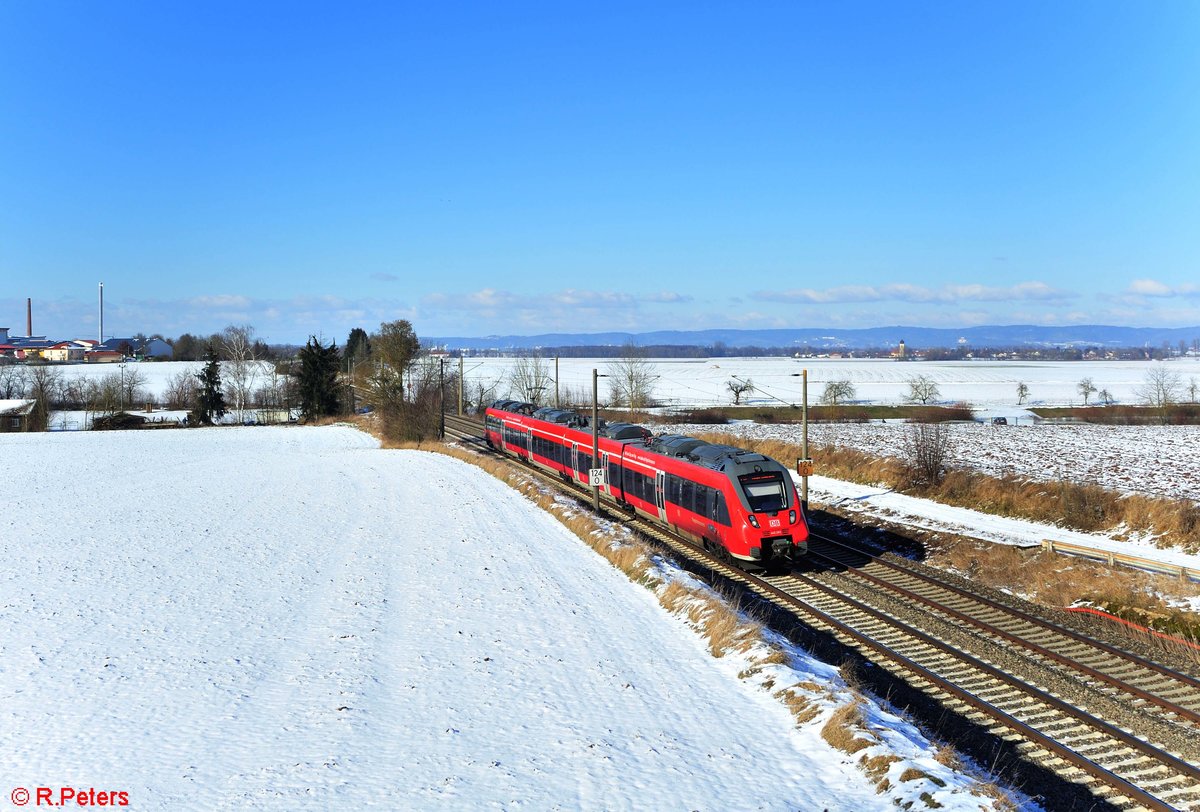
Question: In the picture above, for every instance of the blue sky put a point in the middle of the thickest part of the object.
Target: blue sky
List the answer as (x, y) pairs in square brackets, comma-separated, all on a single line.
[(495, 168)]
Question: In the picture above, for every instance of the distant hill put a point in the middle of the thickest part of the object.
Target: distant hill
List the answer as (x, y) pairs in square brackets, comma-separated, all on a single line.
[(829, 338)]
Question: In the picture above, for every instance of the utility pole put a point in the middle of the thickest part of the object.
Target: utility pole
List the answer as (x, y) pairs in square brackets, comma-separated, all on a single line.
[(460, 385), (595, 435), (557, 405), (804, 443), (442, 398)]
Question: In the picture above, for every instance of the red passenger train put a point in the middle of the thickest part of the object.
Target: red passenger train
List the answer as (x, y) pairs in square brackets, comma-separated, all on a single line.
[(736, 503)]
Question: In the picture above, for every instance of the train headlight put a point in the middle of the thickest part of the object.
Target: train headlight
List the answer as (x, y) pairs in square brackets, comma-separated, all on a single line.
[(792, 516), (752, 519)]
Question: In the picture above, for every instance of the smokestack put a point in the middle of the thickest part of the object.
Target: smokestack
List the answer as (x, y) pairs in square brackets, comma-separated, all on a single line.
[(101, 312), (29, 317)]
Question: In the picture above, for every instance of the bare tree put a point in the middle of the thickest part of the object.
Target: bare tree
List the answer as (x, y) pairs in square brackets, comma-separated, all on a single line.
[(922, 389), (479, 394), (1022, 392), (45, 387), (13, 382), (1086, 387), (241, 369), (180, 390), (530, 379), (928, 449), (1160, 389), (1105, 397), (272, 396), (109, 395), (837, 392), (575, 397), (739, 387), (631, 379), (82, 393), (1192, 388), (132, 387)]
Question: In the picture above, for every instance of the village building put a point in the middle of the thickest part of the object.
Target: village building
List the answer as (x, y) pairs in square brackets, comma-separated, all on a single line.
[(15, 415)]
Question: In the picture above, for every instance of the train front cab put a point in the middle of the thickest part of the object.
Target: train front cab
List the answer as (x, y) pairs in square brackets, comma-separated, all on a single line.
[(774, 531)]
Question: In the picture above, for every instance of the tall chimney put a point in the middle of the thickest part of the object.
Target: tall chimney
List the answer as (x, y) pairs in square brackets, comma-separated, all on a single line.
[(101, 312), (29, 317)]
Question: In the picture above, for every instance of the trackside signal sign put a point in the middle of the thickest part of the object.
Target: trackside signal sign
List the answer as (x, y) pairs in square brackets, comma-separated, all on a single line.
[(597, 478)]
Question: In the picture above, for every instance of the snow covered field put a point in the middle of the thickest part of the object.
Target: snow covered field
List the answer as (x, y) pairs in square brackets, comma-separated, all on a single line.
[(293, 618), (1154, 460), (986, 385)]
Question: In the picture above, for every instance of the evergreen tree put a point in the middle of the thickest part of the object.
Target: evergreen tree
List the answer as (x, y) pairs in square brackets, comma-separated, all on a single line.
[(358, 345), (318, 382), (210, 400)]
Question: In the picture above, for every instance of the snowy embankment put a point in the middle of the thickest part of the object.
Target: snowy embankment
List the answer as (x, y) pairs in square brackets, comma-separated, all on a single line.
[(293, 618)]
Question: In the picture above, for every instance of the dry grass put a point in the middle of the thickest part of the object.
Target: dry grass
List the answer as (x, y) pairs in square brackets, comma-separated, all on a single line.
[(797, 699), (1176, 522), (913, 774), (876, 767), (846, 729), (948, 757)]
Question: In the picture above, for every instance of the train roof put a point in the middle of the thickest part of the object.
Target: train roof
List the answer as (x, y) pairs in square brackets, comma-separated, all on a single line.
[(675, 445), (719, 456), (553, 415), (624, 431)]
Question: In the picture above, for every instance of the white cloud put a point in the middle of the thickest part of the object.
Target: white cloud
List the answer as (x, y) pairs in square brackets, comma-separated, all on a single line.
[(1156, 289)]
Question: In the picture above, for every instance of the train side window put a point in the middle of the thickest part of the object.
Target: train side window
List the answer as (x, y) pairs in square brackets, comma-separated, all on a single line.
[(614, 475), (720, 512), (687, 495)]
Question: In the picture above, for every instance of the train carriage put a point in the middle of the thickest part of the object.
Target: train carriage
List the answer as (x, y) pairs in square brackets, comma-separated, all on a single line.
[(739, 504)]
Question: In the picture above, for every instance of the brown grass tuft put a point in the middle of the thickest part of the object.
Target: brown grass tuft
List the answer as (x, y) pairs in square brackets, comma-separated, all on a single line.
[(846, 729), (876, 767)]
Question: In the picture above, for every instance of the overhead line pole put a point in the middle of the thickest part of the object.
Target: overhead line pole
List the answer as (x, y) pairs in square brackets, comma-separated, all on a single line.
[(595, 434)]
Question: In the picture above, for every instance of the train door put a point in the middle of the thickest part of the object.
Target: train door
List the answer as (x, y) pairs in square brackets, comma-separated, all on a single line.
[(660, 494), (607, 487), (574, 461)]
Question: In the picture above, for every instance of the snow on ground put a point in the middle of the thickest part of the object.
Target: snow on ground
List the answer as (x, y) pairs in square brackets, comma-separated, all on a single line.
[(1153, 460), (292, 618), (985, 384)]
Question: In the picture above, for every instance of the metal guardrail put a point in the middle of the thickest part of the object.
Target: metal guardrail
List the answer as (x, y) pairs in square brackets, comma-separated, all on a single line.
[(1114, 558)]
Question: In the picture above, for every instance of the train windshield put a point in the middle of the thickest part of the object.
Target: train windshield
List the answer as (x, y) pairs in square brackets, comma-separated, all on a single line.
[(764, 491)]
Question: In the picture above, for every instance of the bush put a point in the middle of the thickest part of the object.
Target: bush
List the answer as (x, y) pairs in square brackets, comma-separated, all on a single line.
[(710, 416)]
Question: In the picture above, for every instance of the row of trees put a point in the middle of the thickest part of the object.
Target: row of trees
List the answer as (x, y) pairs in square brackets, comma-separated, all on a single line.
[(1160, 389), (921, 389), (629, 383)]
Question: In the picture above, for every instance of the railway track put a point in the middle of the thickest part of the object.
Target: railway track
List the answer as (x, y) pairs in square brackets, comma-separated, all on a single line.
[(1119, 726)]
